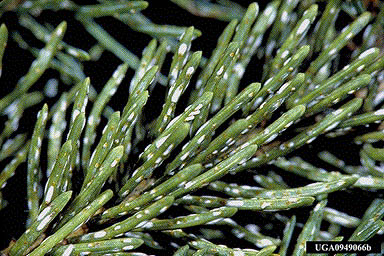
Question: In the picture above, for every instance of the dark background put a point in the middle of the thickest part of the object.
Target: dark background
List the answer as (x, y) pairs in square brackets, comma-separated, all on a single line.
[(17, 61)]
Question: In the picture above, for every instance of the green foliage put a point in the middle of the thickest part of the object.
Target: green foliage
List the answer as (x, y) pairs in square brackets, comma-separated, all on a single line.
[(212, 124)]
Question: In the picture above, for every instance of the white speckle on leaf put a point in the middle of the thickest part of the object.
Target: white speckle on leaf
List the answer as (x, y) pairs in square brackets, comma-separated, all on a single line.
[(44, 223), (100, 234), (49, 194), (235, 203), (182, 49), (303, 27), (69, 250), (367, 52)]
